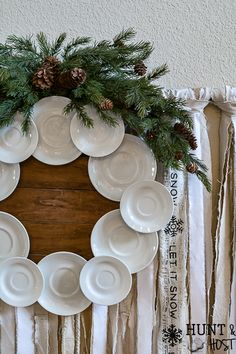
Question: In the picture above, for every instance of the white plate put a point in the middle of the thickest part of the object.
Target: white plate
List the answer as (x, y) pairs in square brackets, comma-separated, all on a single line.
[(100, 140), (55, 146), (133, 161), (14, 239), (21, 282), (146, 206), (112, 237), (62, 294), (14, 145), (9, 178), (105, 280)]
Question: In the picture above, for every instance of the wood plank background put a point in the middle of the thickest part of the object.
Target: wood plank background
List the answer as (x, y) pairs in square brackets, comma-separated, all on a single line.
[(58, 206)]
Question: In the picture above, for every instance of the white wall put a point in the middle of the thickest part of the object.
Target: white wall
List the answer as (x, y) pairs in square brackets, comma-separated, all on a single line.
[(196, 38)]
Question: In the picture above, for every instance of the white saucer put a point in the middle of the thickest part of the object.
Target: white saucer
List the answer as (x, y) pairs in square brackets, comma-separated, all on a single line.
[(112, 237), (21, 282), (133, 161), (105, 280), (14, 239), (62, 294), (146, 206), (55, 146), (9, 178), (14, 145), (102, 139)]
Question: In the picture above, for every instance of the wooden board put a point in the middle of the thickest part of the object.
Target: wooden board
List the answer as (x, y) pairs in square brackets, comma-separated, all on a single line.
[(58, 206)]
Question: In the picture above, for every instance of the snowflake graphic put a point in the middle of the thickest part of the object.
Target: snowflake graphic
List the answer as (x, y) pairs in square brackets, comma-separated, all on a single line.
[(172, 335), (174, 226)]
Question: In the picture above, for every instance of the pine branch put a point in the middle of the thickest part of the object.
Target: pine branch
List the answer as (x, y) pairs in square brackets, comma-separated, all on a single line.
[(204, 179), (104, 43), (25, 125), (193, 158), (83, 116), (44, 45), (81, 113), (4, 74), (5, 50), (21, 44), (57, 44), (72, 45), (93, 91), (110, 73), (156, 73), (174, 108), (8, 108), (108, 118), (124, 36)]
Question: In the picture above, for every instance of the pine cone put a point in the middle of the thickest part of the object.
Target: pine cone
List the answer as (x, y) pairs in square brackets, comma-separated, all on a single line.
[(192, 142), (45, 75), (186, 133), (140, 69), (179, 155), (51, 61), (151, 135), (71, 79), (106, 105), (192, 167)]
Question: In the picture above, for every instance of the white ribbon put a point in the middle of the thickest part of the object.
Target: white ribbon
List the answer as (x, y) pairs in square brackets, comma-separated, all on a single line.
[(25, 330)]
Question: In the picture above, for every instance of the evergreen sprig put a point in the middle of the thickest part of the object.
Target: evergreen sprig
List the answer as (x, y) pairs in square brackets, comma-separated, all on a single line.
[(110, 74)]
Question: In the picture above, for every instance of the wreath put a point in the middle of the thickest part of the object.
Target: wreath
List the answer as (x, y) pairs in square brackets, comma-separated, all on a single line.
[(110, 75)]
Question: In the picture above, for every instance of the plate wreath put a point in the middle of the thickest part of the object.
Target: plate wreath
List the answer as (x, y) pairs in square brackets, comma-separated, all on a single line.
[(110, 75)]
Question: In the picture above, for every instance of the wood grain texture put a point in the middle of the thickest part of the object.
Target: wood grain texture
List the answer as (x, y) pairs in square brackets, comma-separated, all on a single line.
[(58, 206)]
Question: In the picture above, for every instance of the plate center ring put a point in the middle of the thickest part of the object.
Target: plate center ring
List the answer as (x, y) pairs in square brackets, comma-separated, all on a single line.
[(55, 131), (123, 241), (12, 136), (64, 282), (146, 205), (123, 167), (105, 279), (19, 282)]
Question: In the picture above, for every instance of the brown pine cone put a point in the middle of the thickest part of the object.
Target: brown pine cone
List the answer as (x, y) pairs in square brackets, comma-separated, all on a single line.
[(45, 75), (179, 127), (43, 78), (140, 69), (51, 61), (192, 167), (192, 142), (106, 105), (151, 135), (186, 133), (71, 79), (179, 155)]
